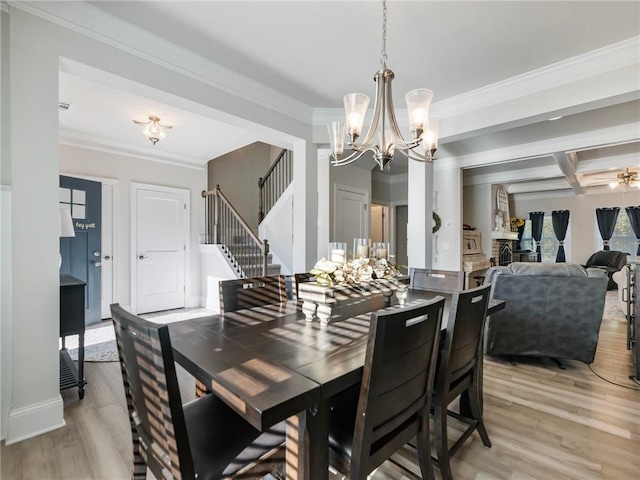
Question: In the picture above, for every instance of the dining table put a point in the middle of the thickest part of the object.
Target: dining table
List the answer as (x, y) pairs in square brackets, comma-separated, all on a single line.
[(270, 364)]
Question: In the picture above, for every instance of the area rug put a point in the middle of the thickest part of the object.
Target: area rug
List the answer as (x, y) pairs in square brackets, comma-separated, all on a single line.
[(100, 340)]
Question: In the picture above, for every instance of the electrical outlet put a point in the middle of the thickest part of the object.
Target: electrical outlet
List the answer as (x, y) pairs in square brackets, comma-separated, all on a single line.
[(445, 245), (448, 224)]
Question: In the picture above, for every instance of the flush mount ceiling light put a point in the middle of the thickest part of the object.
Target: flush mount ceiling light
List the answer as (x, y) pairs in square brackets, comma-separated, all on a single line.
[(153, 129), (626, 179), (383, 137)]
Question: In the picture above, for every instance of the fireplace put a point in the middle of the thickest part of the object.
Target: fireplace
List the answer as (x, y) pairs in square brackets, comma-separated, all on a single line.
[(502, 251)]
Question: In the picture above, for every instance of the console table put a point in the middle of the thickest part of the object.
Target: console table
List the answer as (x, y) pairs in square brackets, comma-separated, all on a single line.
[(72, 306)]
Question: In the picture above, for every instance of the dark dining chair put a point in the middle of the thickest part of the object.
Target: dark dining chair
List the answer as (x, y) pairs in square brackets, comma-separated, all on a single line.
[(459, 372), (436, 280), (392, 405), (204, 438), (243, 293)]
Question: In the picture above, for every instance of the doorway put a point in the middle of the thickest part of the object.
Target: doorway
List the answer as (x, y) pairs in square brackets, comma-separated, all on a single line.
[(351, 218), (159, 236), (81, 255)]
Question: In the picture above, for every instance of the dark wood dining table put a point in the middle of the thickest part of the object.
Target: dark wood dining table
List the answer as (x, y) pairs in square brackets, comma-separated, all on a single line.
[(270, 364)]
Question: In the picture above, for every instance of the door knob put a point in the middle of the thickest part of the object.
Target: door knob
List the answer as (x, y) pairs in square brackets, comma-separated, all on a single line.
[(107, 257), (142, 257)]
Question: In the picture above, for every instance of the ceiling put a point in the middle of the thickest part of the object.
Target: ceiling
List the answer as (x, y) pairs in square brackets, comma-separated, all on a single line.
[(316, 51)]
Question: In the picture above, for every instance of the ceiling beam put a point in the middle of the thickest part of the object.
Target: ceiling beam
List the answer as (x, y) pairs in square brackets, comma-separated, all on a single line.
[(567, 162)]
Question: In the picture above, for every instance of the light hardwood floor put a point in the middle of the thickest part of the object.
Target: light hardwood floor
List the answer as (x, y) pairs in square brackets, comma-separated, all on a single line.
[(544, 423)]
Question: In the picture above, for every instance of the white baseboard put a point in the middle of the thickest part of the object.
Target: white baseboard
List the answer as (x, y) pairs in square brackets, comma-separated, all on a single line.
[(194, 302), (33, 420)]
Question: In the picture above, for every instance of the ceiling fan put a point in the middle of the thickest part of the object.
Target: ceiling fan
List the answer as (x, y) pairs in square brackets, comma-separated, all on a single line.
[(621, 180), (625, 179)]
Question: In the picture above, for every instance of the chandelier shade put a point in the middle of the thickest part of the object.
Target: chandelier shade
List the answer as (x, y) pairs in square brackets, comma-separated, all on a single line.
[(383, 138)]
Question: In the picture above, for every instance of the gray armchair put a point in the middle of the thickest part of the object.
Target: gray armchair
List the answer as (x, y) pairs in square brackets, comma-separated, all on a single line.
[(552, 310)]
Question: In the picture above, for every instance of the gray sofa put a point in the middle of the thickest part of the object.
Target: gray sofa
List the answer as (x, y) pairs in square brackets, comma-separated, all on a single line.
[(552, 310)]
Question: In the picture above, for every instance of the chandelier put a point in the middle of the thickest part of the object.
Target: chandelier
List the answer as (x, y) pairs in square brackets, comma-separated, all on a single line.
[(626, 179), (153, 129), (383, 137)]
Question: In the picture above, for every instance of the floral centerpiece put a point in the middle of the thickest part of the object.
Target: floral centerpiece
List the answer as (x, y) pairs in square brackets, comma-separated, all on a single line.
[(353, 271), (516, 222)]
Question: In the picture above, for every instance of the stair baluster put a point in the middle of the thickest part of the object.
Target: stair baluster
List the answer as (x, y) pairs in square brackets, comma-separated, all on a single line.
[(225, 226)]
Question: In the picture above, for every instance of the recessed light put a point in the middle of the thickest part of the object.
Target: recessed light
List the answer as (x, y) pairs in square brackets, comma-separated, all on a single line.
[(555, 118)]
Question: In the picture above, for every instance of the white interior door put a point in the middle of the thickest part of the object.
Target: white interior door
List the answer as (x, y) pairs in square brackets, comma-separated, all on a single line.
[(160, 250), (351, 214)]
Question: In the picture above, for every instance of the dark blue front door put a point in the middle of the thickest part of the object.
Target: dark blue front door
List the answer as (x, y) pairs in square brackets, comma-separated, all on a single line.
[(81, 255)]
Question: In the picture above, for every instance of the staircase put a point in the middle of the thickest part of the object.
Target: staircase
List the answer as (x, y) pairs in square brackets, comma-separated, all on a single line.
[(247, 255)]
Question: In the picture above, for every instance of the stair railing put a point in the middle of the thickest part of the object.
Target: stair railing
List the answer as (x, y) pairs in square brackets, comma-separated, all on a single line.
[(225, 226), (274, 182)]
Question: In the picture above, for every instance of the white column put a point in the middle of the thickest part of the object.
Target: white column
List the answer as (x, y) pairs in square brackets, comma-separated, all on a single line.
[(36, 405), (420, 201)]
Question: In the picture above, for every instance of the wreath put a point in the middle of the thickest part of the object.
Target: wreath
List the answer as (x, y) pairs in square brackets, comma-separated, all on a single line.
[(436, 222)]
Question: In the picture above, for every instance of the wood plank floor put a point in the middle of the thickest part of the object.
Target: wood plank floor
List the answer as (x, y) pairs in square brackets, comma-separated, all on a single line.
[(544, 423)]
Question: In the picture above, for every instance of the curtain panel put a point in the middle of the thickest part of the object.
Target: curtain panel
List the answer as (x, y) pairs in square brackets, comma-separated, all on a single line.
[(537, 222), (607, 218), (634, 220), (560, 220)]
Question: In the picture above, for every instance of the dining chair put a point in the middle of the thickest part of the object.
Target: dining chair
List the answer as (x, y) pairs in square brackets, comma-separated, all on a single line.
[(459, 372), (204, 438), (392, 404), (243, 293), (436, 280)]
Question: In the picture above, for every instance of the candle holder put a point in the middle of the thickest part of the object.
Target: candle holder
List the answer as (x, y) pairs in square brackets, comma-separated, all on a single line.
[(361, 247), (380, 250), (338, 252)]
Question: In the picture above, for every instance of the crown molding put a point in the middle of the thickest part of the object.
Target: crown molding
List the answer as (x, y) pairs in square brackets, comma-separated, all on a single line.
[(90, 21), (80, 140), (596, 138), (597, 62), (575, 69), (4, 7)]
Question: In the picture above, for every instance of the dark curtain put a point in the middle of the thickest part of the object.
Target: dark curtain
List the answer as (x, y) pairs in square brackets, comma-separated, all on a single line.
[(560, 219), (634, 220), (606, 223), (537, 221)]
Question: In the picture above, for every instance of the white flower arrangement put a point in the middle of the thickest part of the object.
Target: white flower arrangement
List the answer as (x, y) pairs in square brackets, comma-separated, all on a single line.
[(353, 271)]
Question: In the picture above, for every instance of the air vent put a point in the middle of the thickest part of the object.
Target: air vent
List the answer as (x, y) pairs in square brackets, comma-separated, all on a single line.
[(64, 106)]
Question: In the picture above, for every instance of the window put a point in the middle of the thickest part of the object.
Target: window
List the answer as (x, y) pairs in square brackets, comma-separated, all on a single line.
[(623, 238), (548, 242)]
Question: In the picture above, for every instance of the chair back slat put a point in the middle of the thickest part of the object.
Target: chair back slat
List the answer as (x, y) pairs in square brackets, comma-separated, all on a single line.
[(436, 280), (397, 379), (243, 293), (153, 396), (464, 331)]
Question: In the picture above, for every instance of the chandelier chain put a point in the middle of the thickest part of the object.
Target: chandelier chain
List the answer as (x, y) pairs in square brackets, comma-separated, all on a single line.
[(383, 57)]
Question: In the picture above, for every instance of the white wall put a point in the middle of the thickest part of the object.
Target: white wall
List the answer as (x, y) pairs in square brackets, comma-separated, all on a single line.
[(36, 49), (277, 227), (5, 227), (80, 161), (447, 243), (583, 226), (477, 210)]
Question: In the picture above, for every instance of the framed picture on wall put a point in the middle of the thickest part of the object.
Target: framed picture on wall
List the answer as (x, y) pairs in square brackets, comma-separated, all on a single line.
[(471, 242)]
